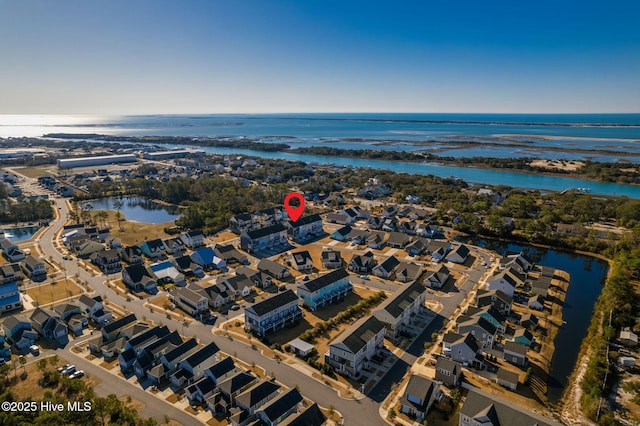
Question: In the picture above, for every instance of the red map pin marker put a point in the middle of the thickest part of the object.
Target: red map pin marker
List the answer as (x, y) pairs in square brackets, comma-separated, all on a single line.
[(294, 212)]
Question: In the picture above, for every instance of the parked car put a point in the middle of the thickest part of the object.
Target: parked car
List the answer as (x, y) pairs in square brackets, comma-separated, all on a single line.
[(282, 288), (64, 367), (305, 278), (34, 349), (77, 374), (69, 370), (235, 307), (364, 277)]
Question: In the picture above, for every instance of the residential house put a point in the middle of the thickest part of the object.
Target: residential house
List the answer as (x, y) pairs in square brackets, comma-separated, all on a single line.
[(193, 239), (185, 265), (496, 299), (301, 261), (273, 313), (540, 286), (482, 408), (506, 281), (94, 308), (398, 310), (153, 249), (10, 273), (416, 246), (340, 219), (112, 330), (515, 353), (398, 240), (258, 278), (71, 314), (437, 250), (341, 234), (528, 321), (274, 269), (426, 230), (628, 338), (536, 302), (220, 370), (207, 259), (138, 278), (331, 259), (235, 384), (374, 222), (496, 319), (389, 224), (166, 272), (448, 372), (137, 344), (174, 246), (305, 228), (238, 285), (459, 254), (407, 272), (390, 211), (520, 335), (191, 302), (34, 268), (49, 324), (508, 379), (258, 395), (408, 228), (377, 240), (87, 248), (462, 348), (328, 288), (230, 254), (520, 262), (438, 278), (275, 411), (107, 260), (19, 331), (358, 236), (11, 251), (362, 263), (309, 416), (241, 223), (480, 328), (264, 238), (10, 297), (217, 293), (172, 358), (192, 368), (386, 268), (131, 254), (200, 390), (418, 396), (352, 350)]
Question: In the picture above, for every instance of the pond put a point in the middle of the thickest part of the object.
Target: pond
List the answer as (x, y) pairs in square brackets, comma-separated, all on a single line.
[(21, 233), (588, 275), (138, 209)]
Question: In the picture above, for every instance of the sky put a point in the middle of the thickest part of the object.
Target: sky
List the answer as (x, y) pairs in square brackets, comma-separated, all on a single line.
[(270, 56)]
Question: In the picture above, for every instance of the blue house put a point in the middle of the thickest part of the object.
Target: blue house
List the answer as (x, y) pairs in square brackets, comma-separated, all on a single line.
[(328, 288), (154, 248), (207, 259), (10, 297)]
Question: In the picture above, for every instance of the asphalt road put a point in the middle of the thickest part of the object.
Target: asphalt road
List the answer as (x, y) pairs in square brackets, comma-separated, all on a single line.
[(362, 412)]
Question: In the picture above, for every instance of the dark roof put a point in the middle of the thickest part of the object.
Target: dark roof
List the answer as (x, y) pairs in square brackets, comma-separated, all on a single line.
[(402, 299), (466, 338), (480, 322), (236, 382), (284, 402), (363, 260), (444, 363), (324, 280), (155, 244), (263, 232), (481, 294), (420, 387), (137, 271), (389, 264), (179, 351), (305, 220), (119, 323), (221, 367), (257, 393), (273, 302), (205, 385), (202, 354), (356, 337), (301, 257), (462, 250), (481, 405), (344, 231), (311, 416), (270, 266)]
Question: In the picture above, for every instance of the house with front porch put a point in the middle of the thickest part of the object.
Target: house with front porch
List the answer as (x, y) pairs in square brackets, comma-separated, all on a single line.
[(138, 278), (207, 259), (107, 260), (193, 239), (49, 325), (275, 269), (480, 328), (328, 288), (153, 249), (10, 297), (462, 348), (190, 301), (386, 268), (10, 273), (34, 268), (352, 350), (19, 331), (273, 313), (238, 285)]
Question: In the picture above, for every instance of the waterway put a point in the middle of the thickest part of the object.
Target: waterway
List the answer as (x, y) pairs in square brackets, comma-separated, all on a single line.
[(588, 275), (21, 233), (138, 209)]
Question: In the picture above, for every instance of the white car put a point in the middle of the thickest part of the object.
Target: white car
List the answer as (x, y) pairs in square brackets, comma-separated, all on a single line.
[(34, 349), (77, 374), (69, 370)]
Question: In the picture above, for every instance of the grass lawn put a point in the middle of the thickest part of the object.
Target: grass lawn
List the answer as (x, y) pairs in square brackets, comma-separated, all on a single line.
[(32, 172), (135, 232), (58, 290)]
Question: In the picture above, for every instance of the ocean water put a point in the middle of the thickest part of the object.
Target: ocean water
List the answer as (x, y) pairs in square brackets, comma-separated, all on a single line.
[(601, 137)]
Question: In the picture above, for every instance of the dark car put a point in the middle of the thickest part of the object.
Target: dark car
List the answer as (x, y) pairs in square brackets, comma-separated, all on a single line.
[(235, 307), (282, 288)]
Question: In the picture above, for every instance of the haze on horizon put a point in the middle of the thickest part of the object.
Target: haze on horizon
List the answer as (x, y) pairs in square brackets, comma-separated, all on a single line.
[(168, 57)]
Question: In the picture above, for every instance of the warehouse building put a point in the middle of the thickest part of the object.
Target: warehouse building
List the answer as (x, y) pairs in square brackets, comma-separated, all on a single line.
[(176, 153), (96, 161)]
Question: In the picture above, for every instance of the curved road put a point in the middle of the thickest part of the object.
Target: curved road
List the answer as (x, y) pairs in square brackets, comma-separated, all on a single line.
[(363, 412)]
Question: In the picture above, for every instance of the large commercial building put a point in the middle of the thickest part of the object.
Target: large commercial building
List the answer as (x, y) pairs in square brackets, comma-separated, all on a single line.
[(96, 161), (176, 153)]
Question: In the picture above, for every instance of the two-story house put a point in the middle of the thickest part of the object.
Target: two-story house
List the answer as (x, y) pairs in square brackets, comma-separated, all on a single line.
[(34, 268), (419, 396), (193, 239), (352, 350), (362, 263), (10, 297), (107, 260), (275, 269), (301, 261), (328, 288), (94, 308), (153, 249), (264, 238), (190, 301), (273, 313), (386, 268), (480, 328), (331, 259), (398, 310), (462, 348), (305, 228), (506, 281), (138, 278), (496, 299), (448, 372)]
